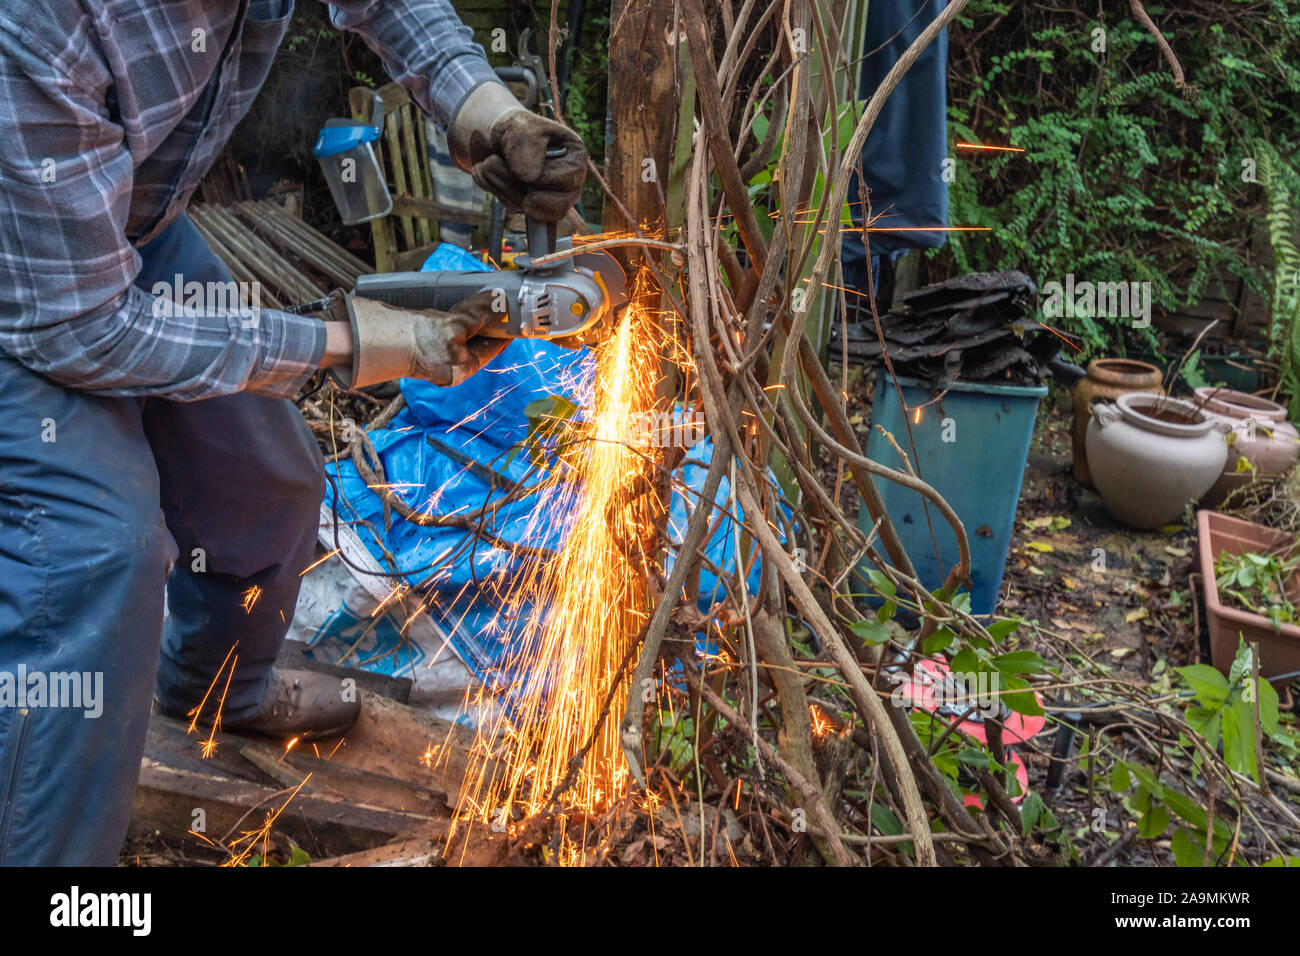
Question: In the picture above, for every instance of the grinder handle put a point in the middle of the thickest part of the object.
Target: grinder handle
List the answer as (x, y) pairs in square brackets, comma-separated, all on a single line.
[(542, 235), (442, 291)]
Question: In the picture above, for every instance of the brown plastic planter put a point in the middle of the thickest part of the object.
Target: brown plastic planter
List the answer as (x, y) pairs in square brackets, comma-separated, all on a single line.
[(1279, 651)]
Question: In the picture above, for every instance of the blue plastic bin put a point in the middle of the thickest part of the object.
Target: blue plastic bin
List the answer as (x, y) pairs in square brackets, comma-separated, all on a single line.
[(978, 469)]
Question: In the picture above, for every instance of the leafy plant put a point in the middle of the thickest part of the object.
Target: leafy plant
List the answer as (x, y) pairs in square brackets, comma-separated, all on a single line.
[(1226, 711), (1282, 185), (1258, 583), (1126, 178)]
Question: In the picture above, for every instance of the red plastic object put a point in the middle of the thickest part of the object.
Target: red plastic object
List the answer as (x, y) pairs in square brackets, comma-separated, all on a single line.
[(1016, 728), (1279, 650)]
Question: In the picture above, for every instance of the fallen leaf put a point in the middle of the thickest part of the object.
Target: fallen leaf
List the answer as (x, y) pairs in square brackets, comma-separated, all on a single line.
[(1137, 615), (1037, 572), (1176, 552), (1069, 583), (1042, 546), (1121, 652), (1051, 522)]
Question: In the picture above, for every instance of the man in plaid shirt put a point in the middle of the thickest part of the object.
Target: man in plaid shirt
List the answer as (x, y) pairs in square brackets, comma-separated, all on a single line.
[(144, 442)]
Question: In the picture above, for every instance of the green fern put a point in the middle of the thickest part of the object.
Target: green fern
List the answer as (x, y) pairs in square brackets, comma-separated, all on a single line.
[(1123, 177), (1283, 189)]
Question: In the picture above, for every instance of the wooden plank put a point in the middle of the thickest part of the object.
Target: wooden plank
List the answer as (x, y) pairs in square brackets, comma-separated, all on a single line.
[(433, 209), (357, 787), (417, 168), (406, 744), (642, 114), (381, 229), (167, 797), (416, 851), (391, 123)]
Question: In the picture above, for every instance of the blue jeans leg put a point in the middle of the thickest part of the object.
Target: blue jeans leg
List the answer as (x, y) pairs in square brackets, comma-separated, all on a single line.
[(95, 493), (84, 555), (242, 482)]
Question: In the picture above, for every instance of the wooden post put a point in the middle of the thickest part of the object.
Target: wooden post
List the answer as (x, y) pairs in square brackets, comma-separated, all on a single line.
[(642, 117), (651, 100)]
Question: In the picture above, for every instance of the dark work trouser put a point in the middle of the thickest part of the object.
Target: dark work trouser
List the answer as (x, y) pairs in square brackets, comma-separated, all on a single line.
[(98, 498)]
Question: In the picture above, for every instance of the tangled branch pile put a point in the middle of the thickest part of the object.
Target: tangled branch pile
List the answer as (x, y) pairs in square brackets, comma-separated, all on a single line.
[(768, 399), (773, 694), (751, 696)]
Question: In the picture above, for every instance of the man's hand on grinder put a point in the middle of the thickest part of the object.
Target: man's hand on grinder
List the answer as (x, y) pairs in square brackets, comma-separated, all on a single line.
[(387, 343), (505, 146)]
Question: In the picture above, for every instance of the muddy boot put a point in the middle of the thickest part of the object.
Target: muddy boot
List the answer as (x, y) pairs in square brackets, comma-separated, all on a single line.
[(303, 704)]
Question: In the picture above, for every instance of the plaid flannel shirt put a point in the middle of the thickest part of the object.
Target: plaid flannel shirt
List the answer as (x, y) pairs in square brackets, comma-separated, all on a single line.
[(111, 112)]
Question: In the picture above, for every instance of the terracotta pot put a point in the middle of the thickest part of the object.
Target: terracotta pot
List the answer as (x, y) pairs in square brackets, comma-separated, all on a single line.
[(1107, 379), (1279, 647), (1229, 401), (1150, 456), (1260, 434)]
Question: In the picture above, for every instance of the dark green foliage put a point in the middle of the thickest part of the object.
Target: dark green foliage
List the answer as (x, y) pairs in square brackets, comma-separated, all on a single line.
[(1125, 177)]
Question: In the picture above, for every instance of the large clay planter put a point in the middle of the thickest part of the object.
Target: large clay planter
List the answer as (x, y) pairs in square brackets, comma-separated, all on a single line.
[(1229, 622), (1150, 456), (1107, 379), (1261, 435)]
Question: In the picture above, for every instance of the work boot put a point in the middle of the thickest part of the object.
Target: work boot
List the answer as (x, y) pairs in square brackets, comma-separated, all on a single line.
[(298, 703)]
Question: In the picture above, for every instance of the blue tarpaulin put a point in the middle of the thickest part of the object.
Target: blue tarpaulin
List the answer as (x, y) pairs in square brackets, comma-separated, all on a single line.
[(439, 454)]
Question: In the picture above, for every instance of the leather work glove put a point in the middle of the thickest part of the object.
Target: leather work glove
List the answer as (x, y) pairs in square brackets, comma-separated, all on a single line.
[(441, 347), (504, 147)]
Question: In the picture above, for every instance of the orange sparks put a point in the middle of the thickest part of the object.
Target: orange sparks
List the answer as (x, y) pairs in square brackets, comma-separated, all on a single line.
[(921, 229), (209, 746), (262, 834), (820, 725), (319, 561), (582, 608), (1062, 338), (1001, 149), (249, 598)]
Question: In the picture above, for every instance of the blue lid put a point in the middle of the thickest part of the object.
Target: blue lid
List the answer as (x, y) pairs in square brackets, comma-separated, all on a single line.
[(339, 139)]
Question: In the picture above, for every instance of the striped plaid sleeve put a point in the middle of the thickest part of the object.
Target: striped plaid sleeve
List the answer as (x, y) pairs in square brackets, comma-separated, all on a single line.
[(424, 46), (68, 308)]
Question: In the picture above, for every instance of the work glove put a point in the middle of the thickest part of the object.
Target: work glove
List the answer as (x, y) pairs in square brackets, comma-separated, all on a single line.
[(505, 146), (441, 347)]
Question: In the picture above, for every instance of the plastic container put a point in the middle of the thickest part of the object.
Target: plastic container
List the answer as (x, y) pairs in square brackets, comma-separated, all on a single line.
[(972, 442), (1279, 650), (345, 151)]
